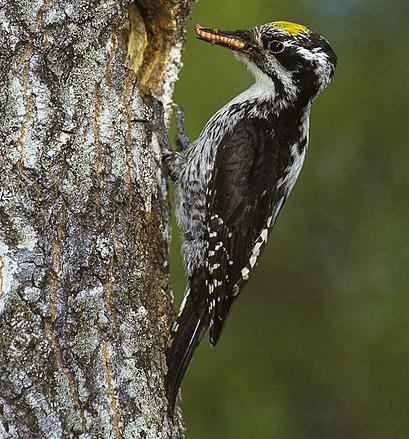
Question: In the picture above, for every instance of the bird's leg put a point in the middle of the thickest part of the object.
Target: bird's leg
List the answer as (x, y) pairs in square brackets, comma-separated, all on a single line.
[(157, 125), (182, 140)]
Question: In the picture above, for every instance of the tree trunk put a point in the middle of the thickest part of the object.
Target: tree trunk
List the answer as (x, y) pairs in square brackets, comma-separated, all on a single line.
[(85, 304)]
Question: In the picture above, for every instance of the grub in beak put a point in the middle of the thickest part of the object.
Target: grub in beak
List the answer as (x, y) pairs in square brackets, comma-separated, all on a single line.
[(219, 37)]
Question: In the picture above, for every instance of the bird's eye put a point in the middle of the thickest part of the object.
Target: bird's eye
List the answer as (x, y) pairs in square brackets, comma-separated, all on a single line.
[(276, 46)]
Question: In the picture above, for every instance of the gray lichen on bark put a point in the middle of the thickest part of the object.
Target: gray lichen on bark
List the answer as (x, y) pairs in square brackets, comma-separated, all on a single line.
[(84, 295)]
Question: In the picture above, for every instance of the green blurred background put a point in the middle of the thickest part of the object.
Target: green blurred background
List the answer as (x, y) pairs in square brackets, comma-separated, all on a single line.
[(317, 346)]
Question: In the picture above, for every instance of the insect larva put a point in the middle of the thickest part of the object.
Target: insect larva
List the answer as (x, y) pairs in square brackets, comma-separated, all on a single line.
[(214, 37)]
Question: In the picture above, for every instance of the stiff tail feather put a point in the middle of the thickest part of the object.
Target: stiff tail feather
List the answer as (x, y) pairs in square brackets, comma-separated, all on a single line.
[(220, 318), (189, 328)]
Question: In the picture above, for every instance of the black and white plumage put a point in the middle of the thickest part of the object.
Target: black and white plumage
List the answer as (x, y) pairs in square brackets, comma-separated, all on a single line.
[(232, 181)]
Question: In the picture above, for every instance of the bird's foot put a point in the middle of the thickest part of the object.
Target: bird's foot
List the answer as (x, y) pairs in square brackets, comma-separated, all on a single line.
[(157, 125), (182, 140)]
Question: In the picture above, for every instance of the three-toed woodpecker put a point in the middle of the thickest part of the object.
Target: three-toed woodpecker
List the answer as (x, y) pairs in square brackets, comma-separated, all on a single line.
[(232, 181)]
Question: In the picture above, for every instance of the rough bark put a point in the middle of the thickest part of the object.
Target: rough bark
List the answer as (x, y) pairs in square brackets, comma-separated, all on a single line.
[(85, 304)]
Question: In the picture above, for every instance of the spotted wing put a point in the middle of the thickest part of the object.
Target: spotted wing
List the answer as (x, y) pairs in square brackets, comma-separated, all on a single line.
[(243, 195)]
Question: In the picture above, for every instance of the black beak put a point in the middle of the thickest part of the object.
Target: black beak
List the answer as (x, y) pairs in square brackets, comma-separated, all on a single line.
[(235, 40)]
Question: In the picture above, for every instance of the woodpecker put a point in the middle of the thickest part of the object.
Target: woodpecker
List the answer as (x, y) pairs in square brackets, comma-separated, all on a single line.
[(233, 180)]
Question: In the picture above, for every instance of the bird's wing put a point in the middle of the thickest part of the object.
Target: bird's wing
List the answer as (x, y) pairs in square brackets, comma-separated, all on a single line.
[(244, 197)]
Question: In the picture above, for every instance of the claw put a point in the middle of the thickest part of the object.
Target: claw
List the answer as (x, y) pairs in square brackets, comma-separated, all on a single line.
[(182, 141), (157, 125)]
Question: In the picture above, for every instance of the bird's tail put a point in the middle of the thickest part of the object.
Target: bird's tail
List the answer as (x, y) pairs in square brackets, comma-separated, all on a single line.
[(220, 318), (188, 330)]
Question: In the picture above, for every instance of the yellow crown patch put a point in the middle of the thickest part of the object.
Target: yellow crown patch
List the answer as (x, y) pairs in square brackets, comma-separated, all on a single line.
[(291, 28)]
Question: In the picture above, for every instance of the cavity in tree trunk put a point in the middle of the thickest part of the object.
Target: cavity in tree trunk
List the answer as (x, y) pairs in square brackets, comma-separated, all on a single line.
[(85, 305)]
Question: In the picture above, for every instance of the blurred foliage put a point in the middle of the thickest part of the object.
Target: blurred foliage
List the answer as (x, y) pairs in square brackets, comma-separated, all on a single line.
[(317, 346)]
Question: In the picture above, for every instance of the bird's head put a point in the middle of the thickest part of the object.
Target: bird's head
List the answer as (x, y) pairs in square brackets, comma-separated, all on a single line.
[(291, 60)]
